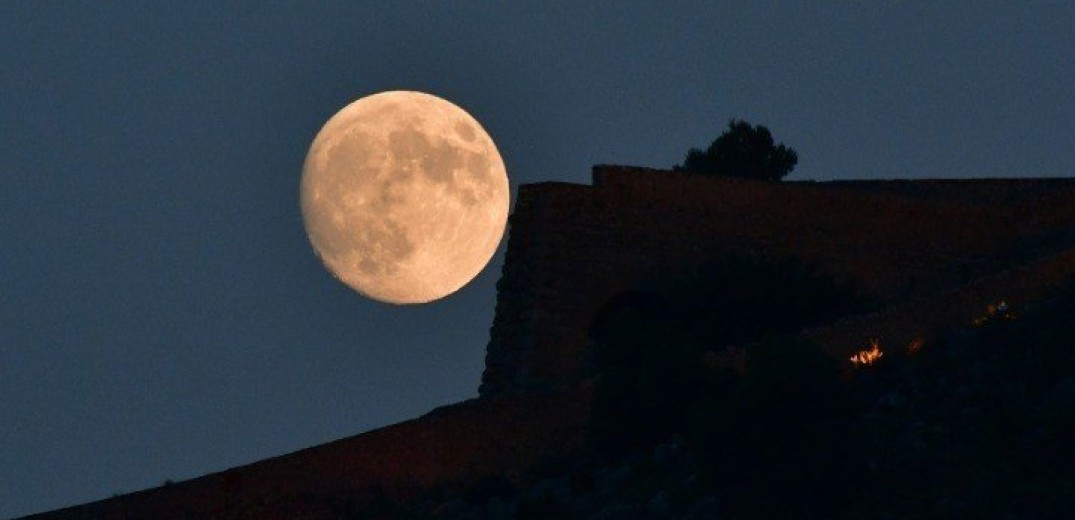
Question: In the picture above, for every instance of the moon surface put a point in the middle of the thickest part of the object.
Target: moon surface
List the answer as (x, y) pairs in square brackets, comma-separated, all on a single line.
[(404, 197)]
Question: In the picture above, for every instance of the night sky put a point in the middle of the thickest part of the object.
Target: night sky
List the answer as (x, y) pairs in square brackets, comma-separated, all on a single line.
[(162, 314)]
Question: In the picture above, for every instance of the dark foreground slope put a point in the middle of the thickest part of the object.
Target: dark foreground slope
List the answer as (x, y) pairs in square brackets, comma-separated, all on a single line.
[(975, 424), (451, 447)]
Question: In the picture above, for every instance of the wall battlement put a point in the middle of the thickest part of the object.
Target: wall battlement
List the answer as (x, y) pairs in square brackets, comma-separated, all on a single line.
[(573, 247)]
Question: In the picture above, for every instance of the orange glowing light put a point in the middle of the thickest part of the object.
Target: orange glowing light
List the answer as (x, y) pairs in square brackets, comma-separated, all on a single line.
[(869, 356)]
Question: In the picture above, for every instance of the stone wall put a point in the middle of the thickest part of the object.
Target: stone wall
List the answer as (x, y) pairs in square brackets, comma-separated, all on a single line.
[(572, 247)]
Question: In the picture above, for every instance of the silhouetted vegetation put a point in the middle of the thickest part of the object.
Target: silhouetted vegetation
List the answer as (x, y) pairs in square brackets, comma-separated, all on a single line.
[(979, 424), (783, 425), (650, 374), (655, 349), (742, 151), (975, 425)]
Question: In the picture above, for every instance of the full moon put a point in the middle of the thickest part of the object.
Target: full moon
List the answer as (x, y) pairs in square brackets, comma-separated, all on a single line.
[(404, 197)]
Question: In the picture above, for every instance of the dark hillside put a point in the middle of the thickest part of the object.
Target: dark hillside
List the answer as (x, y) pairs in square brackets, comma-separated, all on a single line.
[(975, 425)]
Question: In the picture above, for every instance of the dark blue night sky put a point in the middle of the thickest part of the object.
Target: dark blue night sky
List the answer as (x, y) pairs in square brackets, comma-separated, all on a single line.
[(162, 314)]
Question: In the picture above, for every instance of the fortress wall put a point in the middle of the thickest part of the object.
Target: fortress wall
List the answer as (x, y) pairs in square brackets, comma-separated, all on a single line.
[(989, 192), (923, 318), (572, 247)]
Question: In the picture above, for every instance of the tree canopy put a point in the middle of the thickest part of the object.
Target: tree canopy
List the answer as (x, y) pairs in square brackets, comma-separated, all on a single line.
[(742, 151)]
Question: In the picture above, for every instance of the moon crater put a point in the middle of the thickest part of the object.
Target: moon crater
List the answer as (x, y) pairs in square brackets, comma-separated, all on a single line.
[(404, 197)]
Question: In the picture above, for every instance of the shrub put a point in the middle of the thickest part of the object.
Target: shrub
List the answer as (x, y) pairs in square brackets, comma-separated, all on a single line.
[(653, 348), (777, 443), (742, 151)]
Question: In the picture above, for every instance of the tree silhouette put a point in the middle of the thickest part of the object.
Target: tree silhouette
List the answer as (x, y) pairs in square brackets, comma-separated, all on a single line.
[(742, 151)]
